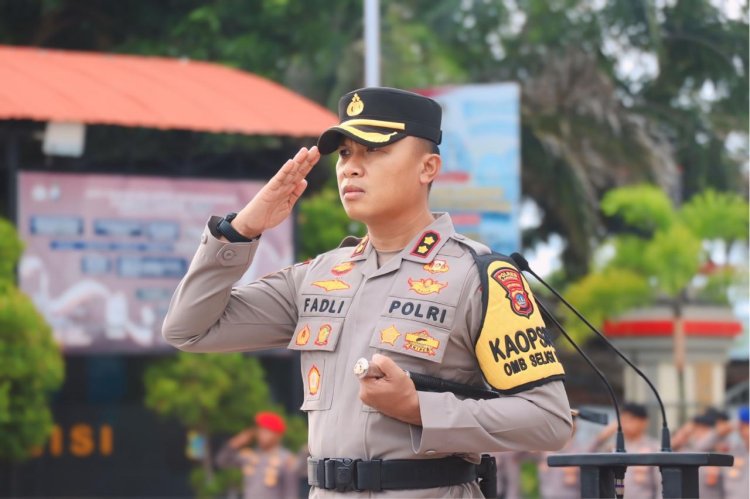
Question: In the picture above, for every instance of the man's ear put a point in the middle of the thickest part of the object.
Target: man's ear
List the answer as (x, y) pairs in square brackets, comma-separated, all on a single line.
[(430, 168)]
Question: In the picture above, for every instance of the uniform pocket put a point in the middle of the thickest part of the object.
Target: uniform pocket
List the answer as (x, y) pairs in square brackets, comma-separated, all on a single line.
[(318, 380), (411, 339)]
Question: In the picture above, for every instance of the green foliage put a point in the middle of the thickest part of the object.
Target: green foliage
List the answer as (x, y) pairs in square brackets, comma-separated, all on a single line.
[(717, 215), (673, 256), (663, 259), (643, 207), (529, 480), (296, 432), (208, 393), (604, 294), (31, 364), (11, 248), (323, 223), (217, 484), (214, 393)]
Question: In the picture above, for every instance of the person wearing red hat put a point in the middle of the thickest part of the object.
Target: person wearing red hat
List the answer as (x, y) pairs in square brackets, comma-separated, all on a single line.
[(269, 470)]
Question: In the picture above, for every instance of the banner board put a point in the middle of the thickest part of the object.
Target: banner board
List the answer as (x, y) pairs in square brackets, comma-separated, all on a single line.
[(104, 253), (480, 183)]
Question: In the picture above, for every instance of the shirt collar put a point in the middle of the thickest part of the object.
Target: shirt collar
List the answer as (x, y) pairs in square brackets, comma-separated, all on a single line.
[(421, 249)]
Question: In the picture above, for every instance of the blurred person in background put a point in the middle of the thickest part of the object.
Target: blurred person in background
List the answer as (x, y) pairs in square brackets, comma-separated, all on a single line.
[(269, 470), (641, 482), (561, 482), (735, 479)]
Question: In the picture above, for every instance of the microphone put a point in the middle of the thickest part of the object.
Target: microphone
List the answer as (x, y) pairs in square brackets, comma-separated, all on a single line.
[(666, 445), (547, 316)]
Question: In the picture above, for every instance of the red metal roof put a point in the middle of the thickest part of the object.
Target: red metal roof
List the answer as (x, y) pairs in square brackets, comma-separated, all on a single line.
[(153, 92)]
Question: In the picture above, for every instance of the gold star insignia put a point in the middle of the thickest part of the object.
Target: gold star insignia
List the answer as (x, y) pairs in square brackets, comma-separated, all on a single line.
[(422, 249), (429, 240)]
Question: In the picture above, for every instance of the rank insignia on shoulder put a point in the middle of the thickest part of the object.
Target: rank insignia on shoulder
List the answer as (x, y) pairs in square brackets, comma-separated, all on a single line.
[(342, 268), (437, 266), (513, 347), (331, 285), (426, 244), (421, 342), (361, 246), (426, 286)]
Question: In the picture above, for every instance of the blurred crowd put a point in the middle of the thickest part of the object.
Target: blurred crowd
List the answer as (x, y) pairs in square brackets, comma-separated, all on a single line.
[(271, 471), (712, 431)]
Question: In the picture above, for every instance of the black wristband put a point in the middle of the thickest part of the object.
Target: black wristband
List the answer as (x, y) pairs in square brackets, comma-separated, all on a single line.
[(225, 228)]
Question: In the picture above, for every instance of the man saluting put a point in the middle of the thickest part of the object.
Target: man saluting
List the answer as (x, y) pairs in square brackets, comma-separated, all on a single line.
[(411, 295)]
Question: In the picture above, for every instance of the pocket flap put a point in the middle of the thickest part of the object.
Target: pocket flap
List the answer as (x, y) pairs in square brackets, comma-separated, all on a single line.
[(316, 333), (410, 338)]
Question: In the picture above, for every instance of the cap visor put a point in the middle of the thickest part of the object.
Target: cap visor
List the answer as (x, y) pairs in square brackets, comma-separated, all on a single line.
[(330, 140)]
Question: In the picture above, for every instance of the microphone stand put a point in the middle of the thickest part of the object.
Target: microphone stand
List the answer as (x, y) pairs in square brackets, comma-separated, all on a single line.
[(599, 471)]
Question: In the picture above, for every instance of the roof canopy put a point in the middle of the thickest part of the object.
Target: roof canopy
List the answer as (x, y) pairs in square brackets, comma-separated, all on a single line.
[(152, 92)]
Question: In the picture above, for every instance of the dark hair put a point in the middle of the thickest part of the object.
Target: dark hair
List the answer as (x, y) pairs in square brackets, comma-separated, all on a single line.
[(634, 409)]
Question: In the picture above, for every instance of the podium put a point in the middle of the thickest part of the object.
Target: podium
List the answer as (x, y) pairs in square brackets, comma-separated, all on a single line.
[(679, 470)]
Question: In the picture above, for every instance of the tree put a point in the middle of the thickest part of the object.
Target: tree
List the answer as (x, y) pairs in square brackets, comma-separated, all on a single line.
[(210, 394), (31, 364), (657, 256)]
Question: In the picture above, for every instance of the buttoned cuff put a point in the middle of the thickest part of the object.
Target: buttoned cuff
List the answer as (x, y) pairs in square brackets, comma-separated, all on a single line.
[(435, 434), (225, 253)]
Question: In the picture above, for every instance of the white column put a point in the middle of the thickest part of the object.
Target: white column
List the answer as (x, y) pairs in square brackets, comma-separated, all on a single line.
[(372, 43)]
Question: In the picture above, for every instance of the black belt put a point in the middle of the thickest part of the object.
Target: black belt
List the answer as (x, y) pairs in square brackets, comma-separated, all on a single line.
[(355, 474)]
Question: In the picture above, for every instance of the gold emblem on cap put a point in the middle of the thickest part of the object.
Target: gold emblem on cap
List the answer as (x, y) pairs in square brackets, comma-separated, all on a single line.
[(355, 107)]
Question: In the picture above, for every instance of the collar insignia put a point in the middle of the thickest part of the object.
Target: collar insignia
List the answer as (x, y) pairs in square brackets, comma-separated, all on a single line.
[(426, 244), (361, 246)]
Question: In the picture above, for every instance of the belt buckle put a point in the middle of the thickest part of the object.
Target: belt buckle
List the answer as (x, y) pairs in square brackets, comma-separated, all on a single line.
[(341, 474)]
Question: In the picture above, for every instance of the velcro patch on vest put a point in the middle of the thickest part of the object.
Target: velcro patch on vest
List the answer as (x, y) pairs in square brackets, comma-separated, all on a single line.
[(428, 312), (513, 348), (324, 306)]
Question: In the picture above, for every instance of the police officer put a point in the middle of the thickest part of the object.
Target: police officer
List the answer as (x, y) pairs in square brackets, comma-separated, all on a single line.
[(269, 470), (641, 482), (411, 295), (735, 479)]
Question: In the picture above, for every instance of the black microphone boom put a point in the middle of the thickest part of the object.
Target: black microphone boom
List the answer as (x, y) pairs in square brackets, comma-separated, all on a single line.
[(666, 445), (546, 315)]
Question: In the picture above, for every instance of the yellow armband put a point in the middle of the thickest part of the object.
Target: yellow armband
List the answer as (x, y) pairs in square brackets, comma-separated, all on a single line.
[(513, 347)]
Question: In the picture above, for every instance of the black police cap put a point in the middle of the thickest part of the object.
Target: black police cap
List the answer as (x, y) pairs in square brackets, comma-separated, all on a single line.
[(378, 116)]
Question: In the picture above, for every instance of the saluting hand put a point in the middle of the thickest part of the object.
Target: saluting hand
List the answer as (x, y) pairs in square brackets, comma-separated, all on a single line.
[(273, 204), (393, 394)]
